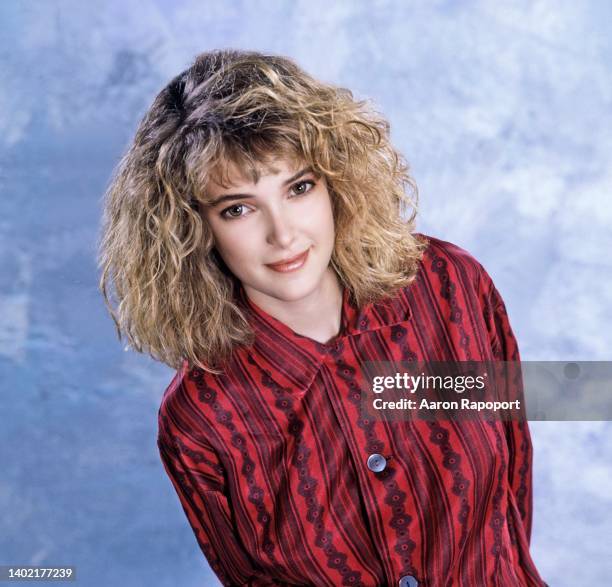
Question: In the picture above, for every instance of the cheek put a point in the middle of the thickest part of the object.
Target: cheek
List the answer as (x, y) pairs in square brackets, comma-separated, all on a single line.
[(316, 214), (231, 246), (232, 252)]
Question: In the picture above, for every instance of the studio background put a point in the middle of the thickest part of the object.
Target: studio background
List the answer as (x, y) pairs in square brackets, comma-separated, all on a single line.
[(503, 111)]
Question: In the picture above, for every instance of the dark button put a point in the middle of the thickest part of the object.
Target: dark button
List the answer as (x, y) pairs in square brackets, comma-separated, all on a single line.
[(376, 463), (408, 581)]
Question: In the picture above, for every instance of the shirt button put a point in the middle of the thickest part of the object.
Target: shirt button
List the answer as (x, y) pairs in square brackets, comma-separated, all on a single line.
[(408, 581), (377, 463)]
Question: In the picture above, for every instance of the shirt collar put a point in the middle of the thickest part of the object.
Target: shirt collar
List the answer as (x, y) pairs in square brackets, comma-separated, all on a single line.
[(295, 359)]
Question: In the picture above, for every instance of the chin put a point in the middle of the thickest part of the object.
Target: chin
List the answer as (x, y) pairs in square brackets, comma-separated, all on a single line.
[(292, 290), (292, 293)]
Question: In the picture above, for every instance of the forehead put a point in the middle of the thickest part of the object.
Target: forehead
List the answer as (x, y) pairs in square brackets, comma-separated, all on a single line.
[(231, 173)]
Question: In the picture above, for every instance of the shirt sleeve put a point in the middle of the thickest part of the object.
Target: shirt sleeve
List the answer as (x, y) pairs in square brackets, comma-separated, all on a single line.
[(518, 437), (195, 475)]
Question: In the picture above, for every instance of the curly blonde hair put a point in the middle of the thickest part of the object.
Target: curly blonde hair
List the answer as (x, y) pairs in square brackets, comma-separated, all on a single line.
[(166, 288)]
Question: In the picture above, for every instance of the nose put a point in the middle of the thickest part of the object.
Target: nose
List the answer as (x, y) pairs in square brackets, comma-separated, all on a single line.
[(280, 228)]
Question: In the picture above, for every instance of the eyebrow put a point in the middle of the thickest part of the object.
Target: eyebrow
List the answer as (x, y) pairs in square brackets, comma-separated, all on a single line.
[(228, 197)]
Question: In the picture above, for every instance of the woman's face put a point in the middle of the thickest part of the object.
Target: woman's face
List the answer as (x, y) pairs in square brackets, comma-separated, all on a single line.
[(276, 235)]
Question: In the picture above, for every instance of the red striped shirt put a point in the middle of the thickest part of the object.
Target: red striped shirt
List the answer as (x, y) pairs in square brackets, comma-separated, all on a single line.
[(269, 460)]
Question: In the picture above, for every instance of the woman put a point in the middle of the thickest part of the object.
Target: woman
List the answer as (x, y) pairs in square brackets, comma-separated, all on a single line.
[(256, 240)]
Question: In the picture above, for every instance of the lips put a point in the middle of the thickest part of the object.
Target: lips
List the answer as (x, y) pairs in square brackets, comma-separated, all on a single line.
[(290, 264)]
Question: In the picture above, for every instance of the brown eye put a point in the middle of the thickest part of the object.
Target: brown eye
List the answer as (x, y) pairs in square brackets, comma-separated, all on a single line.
[(302, 187), (234, 211)]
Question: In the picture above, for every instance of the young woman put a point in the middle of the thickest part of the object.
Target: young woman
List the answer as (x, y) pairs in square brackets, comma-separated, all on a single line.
[(256, 239)]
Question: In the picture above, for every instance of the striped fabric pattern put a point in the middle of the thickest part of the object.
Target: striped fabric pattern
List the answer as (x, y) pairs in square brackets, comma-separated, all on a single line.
[(269, 459)]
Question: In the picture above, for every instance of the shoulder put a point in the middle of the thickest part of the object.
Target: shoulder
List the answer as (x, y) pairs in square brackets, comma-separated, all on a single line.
[(192, 404), (185, 438), (454, 282), (169, 407), (442, 256), (178, 411), (448, 271)]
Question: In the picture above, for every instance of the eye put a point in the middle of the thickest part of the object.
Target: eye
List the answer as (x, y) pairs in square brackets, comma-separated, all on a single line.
[(302, 187), (235, 211)]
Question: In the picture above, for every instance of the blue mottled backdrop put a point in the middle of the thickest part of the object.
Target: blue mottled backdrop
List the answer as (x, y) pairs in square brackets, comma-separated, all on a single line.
[(504, 112)]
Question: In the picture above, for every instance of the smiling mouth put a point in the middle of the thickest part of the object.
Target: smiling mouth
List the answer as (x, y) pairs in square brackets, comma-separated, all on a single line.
[(290, 264)]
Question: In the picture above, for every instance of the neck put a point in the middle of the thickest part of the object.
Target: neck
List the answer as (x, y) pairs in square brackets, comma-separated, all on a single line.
[(317, 316)]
